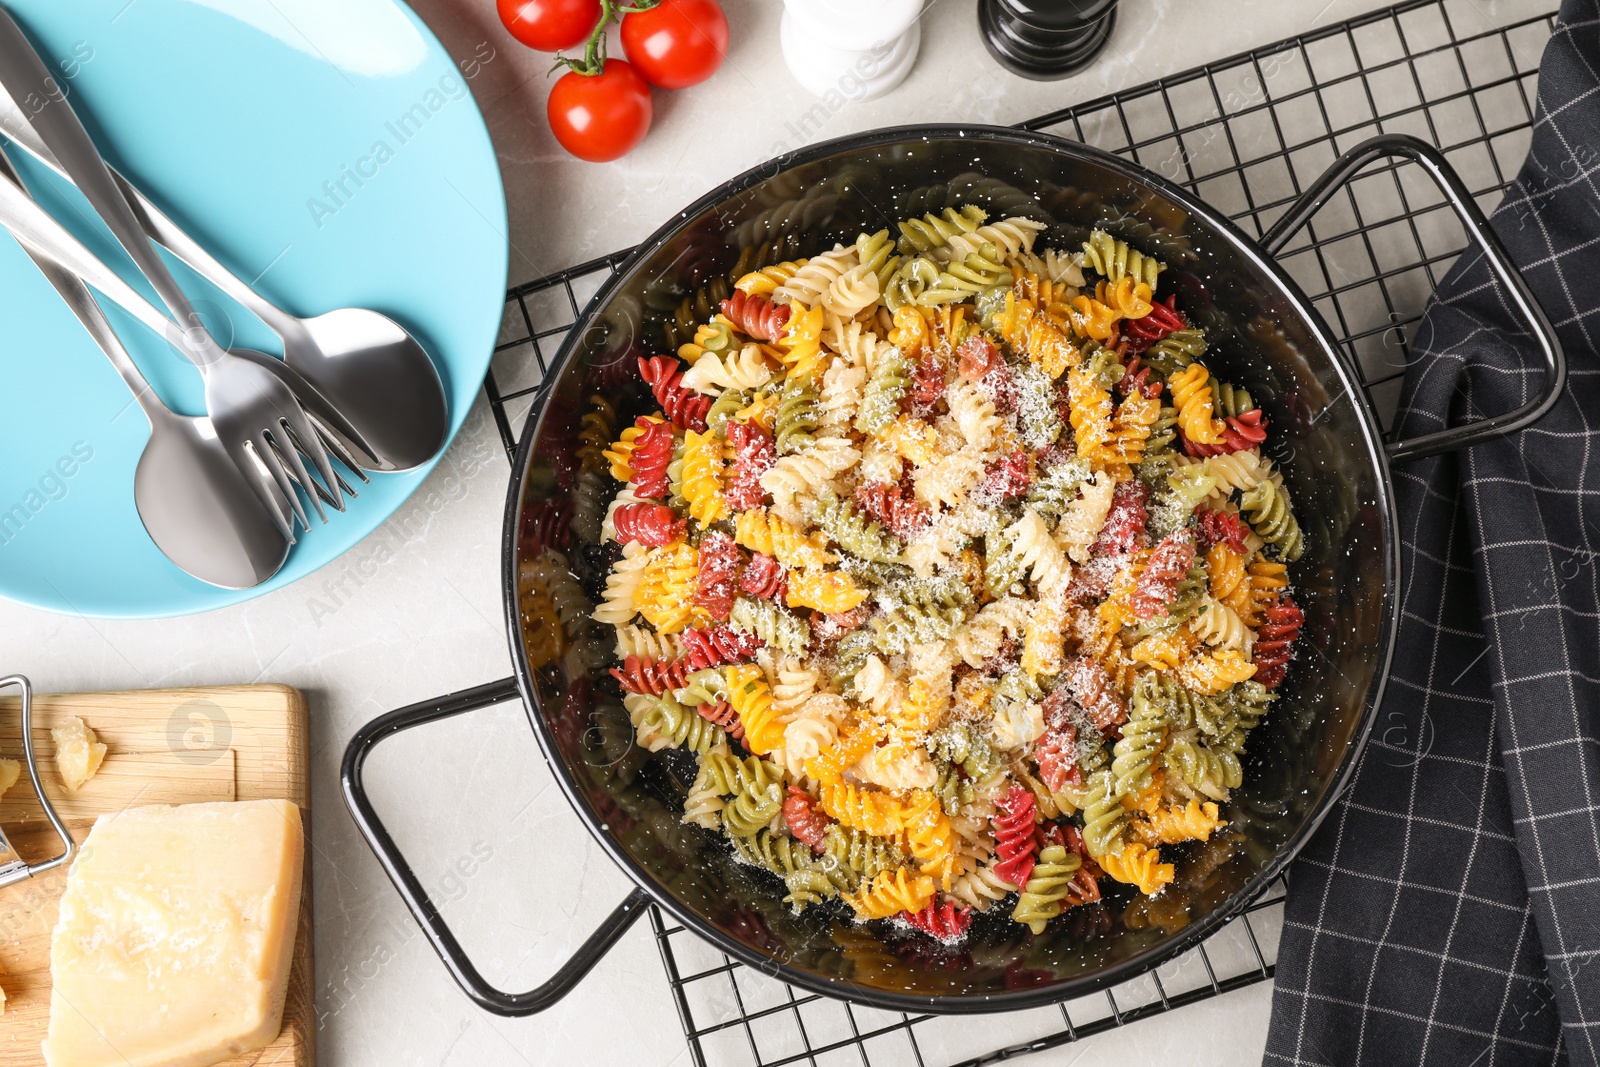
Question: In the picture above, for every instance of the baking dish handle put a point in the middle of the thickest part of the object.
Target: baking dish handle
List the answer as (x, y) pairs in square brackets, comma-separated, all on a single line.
[(1431, 160), (486, 996)]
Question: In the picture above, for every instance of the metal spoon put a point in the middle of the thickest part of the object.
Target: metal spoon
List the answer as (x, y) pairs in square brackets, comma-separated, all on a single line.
[(193, 502), (365, 364), (255, 415)]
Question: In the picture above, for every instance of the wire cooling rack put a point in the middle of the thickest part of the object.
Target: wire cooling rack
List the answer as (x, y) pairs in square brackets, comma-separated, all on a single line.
[(1247, 134)]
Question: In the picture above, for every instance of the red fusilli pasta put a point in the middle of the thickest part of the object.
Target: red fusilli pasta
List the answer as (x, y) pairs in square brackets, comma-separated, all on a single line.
[(652, 454), (1158, 583), (1091, 687), (756, 316), (1136, 379), (764, 577), (1008, 477), (722, 714), (1085, 887), (1057, 752), (1221, 528), (1125, 521), (547, 524), (1000, 386), (900, 512), (943, 920), (1163, 319), (652, 676), (717, 582), (804, 818), (652, 525), (927, 385), (1280, 626), (753, 457), (686, 409), (977, 357), (1015, 844), (717, 645), (830, 627), (1245, 432)]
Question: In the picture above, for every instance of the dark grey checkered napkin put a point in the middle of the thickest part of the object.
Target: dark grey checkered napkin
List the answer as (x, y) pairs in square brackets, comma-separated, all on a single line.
[(1449, 910)]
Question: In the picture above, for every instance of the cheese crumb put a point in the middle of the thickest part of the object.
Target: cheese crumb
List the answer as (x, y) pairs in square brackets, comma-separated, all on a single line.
[(78, 752), (10, 770)]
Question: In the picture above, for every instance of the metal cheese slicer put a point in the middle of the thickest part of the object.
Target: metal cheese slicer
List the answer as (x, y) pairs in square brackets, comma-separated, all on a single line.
[(16, 868)]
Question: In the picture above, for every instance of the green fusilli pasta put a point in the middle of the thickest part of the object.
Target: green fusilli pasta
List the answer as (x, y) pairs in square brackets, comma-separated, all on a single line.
[(1175, 498), (1044, 897), (1134, 755), (724, 407), (853, 532), (910, 281), (1267, 506), (880, 400), (1105, 823), (807, 880), (1040, 424), (1052, 494), (849, 656), (876, 253), (1163, 435), (705, 687), (1230, 400), (932, 231), (1116, 260), (861, 856), (670, 724), (1204, 768), (794, 423), (1174, 352), (964, 745), (752, 810), (953, 789), (961, 281), (727, 774), (920, 612), (1186, 603), (776, 626), (1002, 569)]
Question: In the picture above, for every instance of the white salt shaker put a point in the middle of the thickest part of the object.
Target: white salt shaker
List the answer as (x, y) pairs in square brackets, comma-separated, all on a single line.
[(857, 49)]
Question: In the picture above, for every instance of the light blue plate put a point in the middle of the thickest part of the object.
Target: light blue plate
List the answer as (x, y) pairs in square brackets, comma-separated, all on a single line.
[(330, 149)]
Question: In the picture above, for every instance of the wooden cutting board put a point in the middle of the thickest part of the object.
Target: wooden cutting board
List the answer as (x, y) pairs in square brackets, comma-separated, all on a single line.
[(163, 746)]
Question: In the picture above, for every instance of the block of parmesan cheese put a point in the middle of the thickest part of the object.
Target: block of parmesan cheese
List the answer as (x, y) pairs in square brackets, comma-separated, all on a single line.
[(176, 933)]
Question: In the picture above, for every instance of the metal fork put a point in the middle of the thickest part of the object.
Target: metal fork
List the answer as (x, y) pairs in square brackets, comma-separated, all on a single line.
[(41, 235), (258, 418)]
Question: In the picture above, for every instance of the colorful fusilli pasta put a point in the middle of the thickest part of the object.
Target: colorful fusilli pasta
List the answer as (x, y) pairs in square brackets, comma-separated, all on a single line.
[(953, 566)]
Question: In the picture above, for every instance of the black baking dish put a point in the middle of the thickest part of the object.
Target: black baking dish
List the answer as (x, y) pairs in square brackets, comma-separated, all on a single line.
[(1266, 336)]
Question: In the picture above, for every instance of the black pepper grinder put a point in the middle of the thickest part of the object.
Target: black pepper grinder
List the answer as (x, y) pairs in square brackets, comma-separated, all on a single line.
[(1044, 39)]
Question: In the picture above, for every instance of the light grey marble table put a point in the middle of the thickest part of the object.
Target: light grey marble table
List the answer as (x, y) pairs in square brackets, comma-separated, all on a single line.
[(414, 611)]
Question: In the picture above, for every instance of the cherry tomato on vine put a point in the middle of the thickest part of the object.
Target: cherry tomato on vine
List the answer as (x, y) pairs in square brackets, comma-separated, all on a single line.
[(600, 117), (678, 43), (550, 25)]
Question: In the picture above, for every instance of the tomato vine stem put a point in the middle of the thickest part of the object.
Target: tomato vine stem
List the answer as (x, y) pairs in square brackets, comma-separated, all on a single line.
[(594, 51)]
